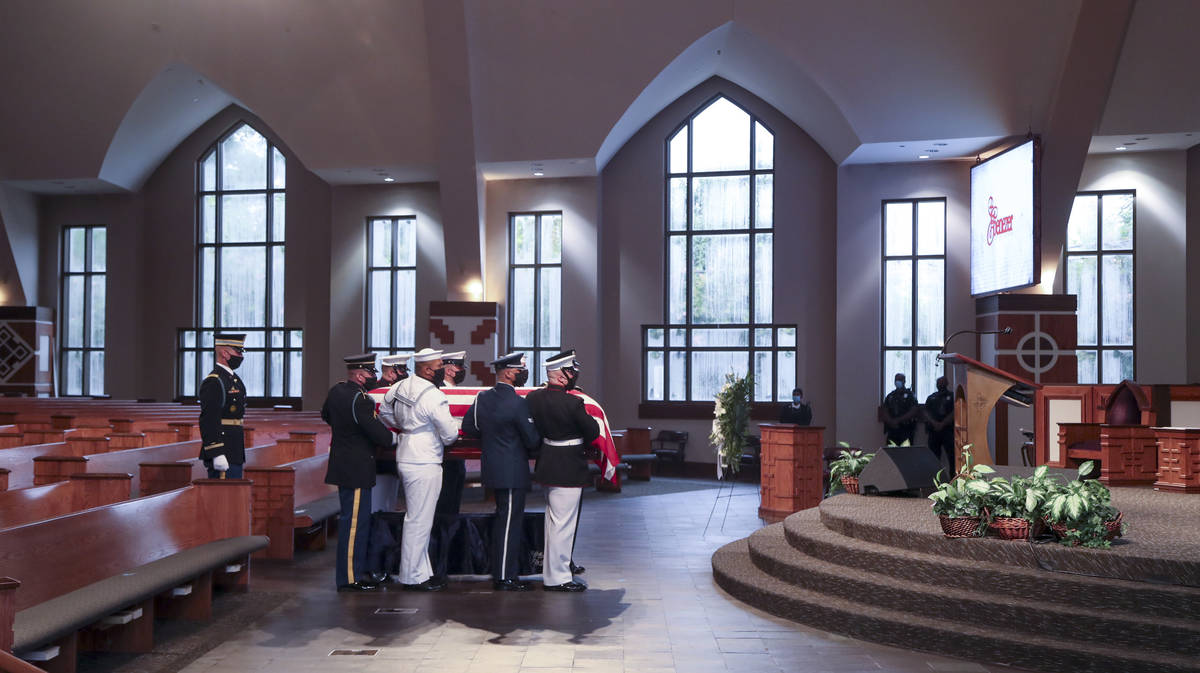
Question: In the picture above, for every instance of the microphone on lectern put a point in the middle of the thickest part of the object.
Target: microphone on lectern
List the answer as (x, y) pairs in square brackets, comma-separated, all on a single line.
[(1006, 330)]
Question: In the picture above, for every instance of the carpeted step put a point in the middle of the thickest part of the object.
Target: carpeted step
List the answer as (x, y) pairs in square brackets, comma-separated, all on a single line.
[(735, 572), (771, 552), (806, 533)]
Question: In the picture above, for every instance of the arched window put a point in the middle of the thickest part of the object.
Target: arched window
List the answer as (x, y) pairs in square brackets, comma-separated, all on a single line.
[(241, 198), (720, 186)]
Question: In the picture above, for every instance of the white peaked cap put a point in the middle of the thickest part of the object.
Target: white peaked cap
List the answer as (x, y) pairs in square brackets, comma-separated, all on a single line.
[(394, 359), (426, 355), (456, 355), (564, 359)]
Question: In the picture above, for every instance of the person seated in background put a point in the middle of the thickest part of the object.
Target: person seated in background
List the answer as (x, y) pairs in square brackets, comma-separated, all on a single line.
[(900, 410), (799, 412)]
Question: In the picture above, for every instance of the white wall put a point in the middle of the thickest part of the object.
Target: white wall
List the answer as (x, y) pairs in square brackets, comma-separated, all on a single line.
[(1160, 259)]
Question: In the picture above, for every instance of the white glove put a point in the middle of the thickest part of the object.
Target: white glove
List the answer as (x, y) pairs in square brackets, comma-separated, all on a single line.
[(221, 463)]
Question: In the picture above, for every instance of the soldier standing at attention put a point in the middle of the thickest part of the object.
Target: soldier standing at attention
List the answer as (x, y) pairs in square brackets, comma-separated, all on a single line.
[(394, 369), (562, 465), (454, 470), (222, 406), (356, 432), (421, 413), (501, 418)]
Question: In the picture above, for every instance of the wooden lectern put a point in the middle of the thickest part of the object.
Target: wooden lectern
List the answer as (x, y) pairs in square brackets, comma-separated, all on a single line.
[(977, 387), (792, 473)]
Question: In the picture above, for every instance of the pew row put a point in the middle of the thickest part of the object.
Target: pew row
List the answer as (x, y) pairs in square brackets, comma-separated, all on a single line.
[(156, 477), (293, 503), (102, 595), (79, 492)]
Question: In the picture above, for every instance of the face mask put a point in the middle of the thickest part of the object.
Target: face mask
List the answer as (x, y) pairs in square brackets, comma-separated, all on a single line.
[(572, 379), (235, 361), (371, 383), (460, 376), (796, 399), (439, 378), (522, 378), (899, 385), (401, 373)]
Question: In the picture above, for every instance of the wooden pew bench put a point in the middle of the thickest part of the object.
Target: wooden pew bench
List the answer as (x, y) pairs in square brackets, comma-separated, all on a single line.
[(157, 477), (80, 492), (293, 503), (128, 562)]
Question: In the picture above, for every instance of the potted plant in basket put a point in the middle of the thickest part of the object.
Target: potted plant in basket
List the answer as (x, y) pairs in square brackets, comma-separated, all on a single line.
[(959, 502), (1014, 506), (1081, 512), (846, 468)]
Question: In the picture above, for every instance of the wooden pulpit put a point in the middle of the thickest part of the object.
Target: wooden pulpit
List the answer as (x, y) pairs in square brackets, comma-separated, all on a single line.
[(977, 388), (792, 473)]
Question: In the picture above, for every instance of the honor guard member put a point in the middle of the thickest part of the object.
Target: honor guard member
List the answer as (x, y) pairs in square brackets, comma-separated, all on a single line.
[(900, 411), (500, 417), (454, 470), (393, 369), (222, 406), (456, 368), (421, 413), (356, 433), (562, 465)]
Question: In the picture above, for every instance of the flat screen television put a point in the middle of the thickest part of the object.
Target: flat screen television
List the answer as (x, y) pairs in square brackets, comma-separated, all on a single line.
[(1006, 220)]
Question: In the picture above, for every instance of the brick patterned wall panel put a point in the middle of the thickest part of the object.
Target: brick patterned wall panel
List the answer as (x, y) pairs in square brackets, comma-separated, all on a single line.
[(471, 327)]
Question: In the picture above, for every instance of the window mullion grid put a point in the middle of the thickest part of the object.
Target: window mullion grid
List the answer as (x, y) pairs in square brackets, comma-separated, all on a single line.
[(394, 276), (912, 324)]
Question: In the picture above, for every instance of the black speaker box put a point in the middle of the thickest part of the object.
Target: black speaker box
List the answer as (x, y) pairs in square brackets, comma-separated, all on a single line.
[(899, 468)]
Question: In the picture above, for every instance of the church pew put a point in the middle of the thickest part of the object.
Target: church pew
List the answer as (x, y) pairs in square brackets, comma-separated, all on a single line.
[(19, 461), (290, 500), (165, 476), (173, 547), (79, 492)]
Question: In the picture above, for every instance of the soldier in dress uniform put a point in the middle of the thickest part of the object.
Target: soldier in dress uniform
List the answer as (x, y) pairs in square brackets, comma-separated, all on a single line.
[(939, 422), (356, 432), (222, 407), (456, 368), (562, 465), (393, 369), (421, 413), (900, 409), (501, 418), (454, 470)]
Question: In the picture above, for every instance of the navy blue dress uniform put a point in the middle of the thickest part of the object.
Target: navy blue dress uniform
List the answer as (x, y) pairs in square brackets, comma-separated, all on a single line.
[(562, 466), (356, 432), (222, 408), (500, 417), (900, 406)]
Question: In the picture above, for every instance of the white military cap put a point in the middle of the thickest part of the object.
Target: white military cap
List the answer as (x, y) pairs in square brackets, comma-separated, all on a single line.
[(457, 357), (426, 355), (394, 359), (561, 360)]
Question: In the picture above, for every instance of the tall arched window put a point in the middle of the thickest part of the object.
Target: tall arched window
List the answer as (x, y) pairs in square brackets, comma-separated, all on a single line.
[(720, 186), (241, 197)]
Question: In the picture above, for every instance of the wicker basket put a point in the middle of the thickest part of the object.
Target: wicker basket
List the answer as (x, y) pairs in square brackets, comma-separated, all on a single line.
[(1112, 528), (850, 484), (959, 526), (1009, 528)]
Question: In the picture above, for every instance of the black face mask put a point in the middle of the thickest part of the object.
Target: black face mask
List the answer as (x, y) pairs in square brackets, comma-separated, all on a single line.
[(401, 373), (521, 379), (572, 378), (371, 383), (439, 378), (460, 376), (235, 361)]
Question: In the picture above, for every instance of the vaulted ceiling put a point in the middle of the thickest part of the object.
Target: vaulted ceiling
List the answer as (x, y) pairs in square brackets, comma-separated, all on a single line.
[(98, 93)]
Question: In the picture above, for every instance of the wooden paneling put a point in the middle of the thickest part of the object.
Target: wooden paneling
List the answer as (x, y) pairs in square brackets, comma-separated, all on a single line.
[(791, 469)]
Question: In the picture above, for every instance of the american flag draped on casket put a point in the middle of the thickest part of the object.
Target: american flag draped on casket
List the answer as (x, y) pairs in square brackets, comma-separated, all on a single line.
[(461, 399)]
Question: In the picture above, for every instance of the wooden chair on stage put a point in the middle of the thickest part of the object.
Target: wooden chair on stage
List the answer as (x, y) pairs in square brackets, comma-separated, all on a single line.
[(1124, 444)]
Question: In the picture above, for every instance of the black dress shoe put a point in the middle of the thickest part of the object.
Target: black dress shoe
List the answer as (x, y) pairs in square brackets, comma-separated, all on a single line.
[(577, 570), (512, 585), (382, 578), (568, 586), (431, 584), (360, 586)]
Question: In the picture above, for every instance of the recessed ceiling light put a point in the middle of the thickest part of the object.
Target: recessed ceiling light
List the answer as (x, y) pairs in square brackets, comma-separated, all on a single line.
[(539, 173), (902, 146), (1143, 138), (389, 179), (940, 144), (1130, 143), (1122, 148), (923, 156)]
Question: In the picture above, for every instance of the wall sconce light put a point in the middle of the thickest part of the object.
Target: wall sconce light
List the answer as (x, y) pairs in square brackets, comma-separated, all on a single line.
[(475, 290)]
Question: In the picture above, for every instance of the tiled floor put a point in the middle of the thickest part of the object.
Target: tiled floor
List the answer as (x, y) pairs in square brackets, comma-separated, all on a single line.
[(652, 606)]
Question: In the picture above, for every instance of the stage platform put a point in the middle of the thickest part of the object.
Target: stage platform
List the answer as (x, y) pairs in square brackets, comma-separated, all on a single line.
[(879, 569)]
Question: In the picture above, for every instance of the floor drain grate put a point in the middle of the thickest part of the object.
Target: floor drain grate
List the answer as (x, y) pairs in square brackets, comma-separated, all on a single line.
[(352, 653), (396, 611)]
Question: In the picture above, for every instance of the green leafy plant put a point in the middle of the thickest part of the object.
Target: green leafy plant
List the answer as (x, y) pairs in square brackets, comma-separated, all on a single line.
[(1083, 507), (849, 463), (904, 443), (966, 493), (731, 417), (1021, 497)]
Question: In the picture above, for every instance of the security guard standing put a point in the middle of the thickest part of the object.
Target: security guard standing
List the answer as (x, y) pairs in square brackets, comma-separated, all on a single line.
[(900, 409), (562, 465), (356, 432), (501, 418), (421, 413), (939, 422), (222, 407)]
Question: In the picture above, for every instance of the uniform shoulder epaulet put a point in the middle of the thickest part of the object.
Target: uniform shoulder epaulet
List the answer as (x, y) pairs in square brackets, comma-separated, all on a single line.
[(213, 375)]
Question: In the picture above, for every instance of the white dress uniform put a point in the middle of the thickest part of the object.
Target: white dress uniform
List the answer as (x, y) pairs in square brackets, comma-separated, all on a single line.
[(386, 493), (421, 413)]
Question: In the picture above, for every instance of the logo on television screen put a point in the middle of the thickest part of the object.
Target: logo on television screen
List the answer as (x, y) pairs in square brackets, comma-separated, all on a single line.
[(997, 225)]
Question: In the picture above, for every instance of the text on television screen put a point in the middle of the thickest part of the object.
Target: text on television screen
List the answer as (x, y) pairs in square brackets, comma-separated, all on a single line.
[(1003, 230)]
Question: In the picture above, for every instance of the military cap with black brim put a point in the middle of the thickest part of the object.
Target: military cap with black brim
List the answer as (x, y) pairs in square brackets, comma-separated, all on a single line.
[(510, 361), (458, 358), (229, 339), (561, 361), (360, 361)]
